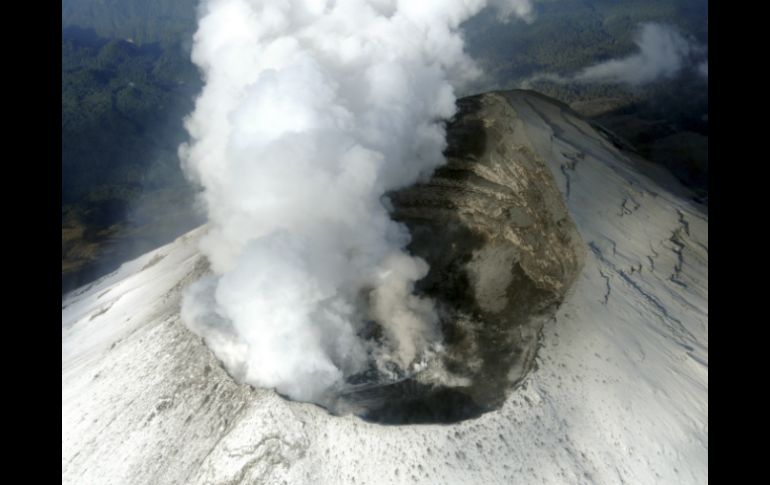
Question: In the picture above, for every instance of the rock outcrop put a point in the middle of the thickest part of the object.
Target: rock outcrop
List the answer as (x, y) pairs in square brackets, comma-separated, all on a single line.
[(503, 252)]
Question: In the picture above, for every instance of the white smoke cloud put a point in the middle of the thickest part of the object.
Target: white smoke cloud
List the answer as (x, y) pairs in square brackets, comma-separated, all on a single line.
[(312, 110), (663, 52)]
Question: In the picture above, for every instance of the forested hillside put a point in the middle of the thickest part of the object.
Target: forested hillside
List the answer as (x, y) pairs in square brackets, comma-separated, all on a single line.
[(122, 121)]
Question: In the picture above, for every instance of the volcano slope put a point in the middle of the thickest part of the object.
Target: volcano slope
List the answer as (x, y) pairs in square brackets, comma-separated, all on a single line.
[(619, 392)]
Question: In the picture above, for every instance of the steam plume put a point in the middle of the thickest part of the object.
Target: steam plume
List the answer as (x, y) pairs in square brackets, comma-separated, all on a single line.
[(663, 52), (312, 111)]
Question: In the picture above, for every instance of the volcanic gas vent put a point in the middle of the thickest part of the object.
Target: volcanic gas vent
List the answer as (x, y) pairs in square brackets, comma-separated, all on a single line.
[(502, 251)]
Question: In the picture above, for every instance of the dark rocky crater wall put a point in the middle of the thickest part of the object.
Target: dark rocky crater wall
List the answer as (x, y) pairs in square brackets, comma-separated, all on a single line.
[(503, 252)]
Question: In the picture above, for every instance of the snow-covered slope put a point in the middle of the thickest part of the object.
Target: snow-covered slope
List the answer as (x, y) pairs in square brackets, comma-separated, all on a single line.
[(620, 394)]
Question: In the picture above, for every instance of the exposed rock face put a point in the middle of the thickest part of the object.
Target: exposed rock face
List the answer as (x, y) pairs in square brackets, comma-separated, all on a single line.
[(502, 252)]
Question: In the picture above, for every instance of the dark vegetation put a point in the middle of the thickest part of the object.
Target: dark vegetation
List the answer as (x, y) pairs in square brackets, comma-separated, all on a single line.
[(122, 110), (123, 191)]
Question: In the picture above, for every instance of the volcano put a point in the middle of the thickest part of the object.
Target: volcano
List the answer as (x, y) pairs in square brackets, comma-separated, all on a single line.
[(571, 278)]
